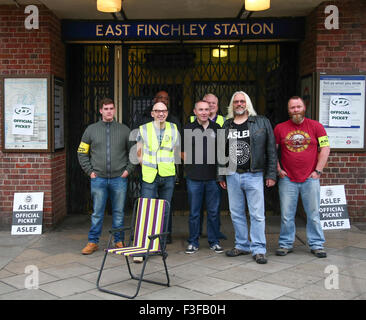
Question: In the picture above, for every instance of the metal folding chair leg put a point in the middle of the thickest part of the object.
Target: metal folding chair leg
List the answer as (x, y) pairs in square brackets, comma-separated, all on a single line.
[(134, 277)]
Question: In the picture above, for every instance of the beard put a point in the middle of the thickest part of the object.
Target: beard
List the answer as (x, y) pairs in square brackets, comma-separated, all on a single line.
[(298, 117), (239, 112)]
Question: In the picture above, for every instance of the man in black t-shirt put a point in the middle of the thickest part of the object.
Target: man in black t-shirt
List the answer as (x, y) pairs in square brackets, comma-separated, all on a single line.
[(199, 155), (251, 151)]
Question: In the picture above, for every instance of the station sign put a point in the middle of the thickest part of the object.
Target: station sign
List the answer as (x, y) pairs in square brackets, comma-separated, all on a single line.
[(234, 29)]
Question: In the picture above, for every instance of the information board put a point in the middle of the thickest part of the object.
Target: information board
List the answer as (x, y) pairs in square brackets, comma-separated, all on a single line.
[(341, 110)]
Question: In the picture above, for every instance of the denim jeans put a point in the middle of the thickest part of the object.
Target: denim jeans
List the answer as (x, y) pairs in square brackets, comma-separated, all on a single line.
[(196, 192), (160, 188), (310, 195), (252, 185), (101, 189)]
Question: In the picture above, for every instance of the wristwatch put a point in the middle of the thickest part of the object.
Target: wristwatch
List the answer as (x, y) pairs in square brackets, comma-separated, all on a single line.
[(318, 172)]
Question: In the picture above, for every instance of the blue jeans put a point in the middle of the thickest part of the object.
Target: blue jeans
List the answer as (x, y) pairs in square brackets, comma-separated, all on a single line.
[(196, 191), (252, 185), (160, 188), (310, 195), (101, 189)]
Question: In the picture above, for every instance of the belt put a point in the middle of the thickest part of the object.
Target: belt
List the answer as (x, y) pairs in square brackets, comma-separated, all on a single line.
[(238, 170)]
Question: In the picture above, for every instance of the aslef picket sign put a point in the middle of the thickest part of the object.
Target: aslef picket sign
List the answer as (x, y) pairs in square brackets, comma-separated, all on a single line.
[(333, 208), (27, 213)]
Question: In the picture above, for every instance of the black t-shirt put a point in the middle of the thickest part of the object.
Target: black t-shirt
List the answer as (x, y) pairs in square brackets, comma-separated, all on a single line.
[(239, 151), (201, 165)]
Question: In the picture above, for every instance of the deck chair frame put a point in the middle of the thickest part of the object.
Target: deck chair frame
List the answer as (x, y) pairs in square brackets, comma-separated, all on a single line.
[(146, 255)]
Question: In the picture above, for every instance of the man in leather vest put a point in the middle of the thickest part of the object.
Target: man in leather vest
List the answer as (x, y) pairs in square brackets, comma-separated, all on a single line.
[(251, 150)]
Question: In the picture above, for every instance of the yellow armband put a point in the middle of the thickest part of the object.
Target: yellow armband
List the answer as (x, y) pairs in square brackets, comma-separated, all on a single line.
[(83, 147), (323, 141)]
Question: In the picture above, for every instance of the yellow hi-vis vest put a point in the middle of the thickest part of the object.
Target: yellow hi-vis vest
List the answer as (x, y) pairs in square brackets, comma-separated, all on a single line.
[(219, 120), (158, 159)]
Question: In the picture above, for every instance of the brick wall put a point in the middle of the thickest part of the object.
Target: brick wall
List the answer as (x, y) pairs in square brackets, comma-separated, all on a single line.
[(341, 50), (27, 52)]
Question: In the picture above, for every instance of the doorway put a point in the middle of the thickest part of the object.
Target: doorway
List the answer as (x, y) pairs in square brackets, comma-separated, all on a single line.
[(266, 71)]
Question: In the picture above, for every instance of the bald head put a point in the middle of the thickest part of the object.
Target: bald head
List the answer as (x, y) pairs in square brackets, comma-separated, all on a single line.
[(213, 103)]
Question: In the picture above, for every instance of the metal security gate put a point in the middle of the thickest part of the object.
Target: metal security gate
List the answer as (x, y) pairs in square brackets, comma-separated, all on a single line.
[(266, 71), (90, 75), (188, 72)]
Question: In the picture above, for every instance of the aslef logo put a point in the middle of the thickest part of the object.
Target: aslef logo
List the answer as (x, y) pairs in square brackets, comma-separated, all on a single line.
[(331, 21), (31, 21)]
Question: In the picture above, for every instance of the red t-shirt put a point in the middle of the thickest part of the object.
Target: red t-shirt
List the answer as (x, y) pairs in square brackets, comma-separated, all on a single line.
[(299, 147)]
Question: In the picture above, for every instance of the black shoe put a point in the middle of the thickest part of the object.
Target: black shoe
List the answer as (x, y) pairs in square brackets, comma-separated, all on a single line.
[(260, 258), (319, 253), (191, 249), (236, 252), (217, 248)]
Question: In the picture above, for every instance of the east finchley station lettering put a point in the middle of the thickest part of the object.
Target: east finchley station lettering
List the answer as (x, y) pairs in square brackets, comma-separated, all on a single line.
[(191, 29)]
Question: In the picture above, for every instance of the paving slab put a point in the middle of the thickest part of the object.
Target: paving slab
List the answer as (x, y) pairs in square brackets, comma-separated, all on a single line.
[(174, 293), (4, 288), (353, 252), (319, 292), (262, 290), (355, 271), (68, 270), (19, 281), (290, 279), (239, 274), (209, 285), (28, 294), (67, 287)]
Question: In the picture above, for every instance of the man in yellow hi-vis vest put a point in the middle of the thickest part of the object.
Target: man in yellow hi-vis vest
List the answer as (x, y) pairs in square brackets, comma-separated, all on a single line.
[(156, 144)]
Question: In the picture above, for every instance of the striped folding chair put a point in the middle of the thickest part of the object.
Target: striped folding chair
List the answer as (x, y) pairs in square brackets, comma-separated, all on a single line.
[(148, 239)]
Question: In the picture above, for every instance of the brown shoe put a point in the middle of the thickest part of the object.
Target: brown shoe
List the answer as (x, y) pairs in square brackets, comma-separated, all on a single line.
[(90, 248), (118, 245)]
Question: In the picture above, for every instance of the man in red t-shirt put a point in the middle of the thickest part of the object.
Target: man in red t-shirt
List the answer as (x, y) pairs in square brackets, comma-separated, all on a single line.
[(303, 152)]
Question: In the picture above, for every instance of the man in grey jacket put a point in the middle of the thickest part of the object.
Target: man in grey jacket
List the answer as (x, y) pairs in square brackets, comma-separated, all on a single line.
[(104, 156), (252, 156)]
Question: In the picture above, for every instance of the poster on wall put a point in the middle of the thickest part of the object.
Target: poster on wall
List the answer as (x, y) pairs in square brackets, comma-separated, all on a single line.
[(341, 110), (26, 103), (23, 119)]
